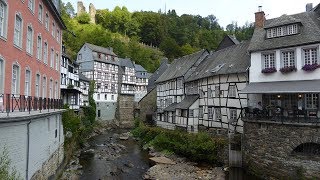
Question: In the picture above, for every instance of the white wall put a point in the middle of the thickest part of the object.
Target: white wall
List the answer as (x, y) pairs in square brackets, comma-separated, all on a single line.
[(257, 66), (42, 141)]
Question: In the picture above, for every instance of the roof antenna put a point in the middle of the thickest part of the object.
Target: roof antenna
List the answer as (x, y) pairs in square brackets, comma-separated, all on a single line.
[(259, 8)]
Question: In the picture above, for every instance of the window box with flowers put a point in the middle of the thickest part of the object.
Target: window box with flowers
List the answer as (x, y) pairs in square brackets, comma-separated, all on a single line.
[(288, 69), (310, 67), (269, 70)]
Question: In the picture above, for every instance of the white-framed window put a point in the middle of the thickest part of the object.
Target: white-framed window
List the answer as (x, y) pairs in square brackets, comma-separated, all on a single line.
[(31, 5), (292, 29), (56, 90), (44, 87), (191, 113), (52, 58), (217, 91), (27, 86), (232, 91), (57, 61), (98, 96), (15, 79), (29, 45), (73, 100), (46, 22), (37, 88), (58, 35), (3, 19), (288, 58), (269, 60), (233, 114), (218, 113), (40, 13), (310, 55), (51, 89), (112, 97), (1, 75), (210, 112), (39, 47), (200, 111), (45, 53), (17, 37), (312, 101), (53, 29)]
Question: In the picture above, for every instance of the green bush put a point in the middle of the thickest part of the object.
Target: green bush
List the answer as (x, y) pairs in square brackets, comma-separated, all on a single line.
[(197, 147), (6, 171)]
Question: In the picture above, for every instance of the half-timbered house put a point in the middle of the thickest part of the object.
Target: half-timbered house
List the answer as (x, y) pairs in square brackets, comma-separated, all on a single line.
[(171, 100)]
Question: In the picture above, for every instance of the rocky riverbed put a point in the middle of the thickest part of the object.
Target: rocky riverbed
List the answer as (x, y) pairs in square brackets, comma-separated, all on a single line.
[(115, 154)]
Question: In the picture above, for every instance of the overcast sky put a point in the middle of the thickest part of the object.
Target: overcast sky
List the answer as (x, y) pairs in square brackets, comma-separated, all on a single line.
[(226, 11)]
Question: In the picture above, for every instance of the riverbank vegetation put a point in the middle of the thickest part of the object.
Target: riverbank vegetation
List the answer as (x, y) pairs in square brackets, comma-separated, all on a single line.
[(78, 127), (6, 170), (198, 147)]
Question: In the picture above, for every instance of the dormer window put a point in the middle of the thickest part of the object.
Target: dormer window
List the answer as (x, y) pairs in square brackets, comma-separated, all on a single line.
[(282, 31)]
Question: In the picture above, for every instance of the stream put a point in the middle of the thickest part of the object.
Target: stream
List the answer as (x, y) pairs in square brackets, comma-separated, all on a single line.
[(108, 157)]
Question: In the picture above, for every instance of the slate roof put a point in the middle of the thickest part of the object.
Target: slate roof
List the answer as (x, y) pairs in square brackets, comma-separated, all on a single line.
[(161, 69), (126, 63), (139, 69), (171, 107), (106, 61), (309, 32), (100, 49), (187, 101), (235, 58), (182, 67), (83, 78)]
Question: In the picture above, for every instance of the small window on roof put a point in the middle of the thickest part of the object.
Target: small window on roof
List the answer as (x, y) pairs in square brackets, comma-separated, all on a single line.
[(217, 68)]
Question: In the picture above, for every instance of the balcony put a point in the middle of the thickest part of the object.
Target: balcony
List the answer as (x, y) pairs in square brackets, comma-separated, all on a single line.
[(13, 104)]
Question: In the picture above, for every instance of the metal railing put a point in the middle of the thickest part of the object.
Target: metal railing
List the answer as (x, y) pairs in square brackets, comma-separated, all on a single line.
[(10, 103), (280, 115)]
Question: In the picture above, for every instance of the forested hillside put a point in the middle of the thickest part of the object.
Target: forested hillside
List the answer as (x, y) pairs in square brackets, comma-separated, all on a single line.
[(172, 35)]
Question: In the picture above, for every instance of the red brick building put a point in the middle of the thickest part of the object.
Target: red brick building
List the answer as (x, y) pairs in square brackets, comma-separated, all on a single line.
[(30, 47)]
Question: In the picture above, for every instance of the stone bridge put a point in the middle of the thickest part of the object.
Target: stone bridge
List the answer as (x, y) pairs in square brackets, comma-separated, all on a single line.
[(275, 149)]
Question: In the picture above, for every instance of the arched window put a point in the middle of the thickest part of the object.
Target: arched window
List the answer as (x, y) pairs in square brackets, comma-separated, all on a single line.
[(27, 82), (15, 85), (44, 87), (29, 45), (3, 19), (307, 149), (37, 85), (1, 75), (18, 25), (51, 89)]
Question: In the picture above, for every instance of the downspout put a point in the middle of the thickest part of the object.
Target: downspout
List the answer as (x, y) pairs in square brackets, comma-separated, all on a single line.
[(28, 145), (187, 118)]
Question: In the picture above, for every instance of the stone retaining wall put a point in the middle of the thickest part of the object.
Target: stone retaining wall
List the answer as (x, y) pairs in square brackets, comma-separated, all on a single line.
[(268, 149)]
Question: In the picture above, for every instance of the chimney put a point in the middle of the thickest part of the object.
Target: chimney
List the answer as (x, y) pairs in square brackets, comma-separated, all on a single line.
[(309, 7), (259, 18)]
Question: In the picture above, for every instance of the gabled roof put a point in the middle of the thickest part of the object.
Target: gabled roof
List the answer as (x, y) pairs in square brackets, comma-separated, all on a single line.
[(187, 101), (126, 63), (308, 33), (180, 67), (227, 41), (100, 49), (281, 21), (138, 67), (233, 59), (161, 69)]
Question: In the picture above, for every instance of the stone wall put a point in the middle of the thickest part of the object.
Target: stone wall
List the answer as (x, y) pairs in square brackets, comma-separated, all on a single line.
[(268, 148), (147, 106), (125, 110), (107, 110)]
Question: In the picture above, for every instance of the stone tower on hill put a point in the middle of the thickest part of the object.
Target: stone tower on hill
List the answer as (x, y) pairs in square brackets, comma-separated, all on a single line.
[(92, 13), (80, 8)]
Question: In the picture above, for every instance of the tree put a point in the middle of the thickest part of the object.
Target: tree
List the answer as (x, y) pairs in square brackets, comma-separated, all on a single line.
[(83, 18)]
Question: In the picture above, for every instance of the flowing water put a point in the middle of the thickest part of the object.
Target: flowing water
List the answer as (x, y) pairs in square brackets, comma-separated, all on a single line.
[(127, 160)]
